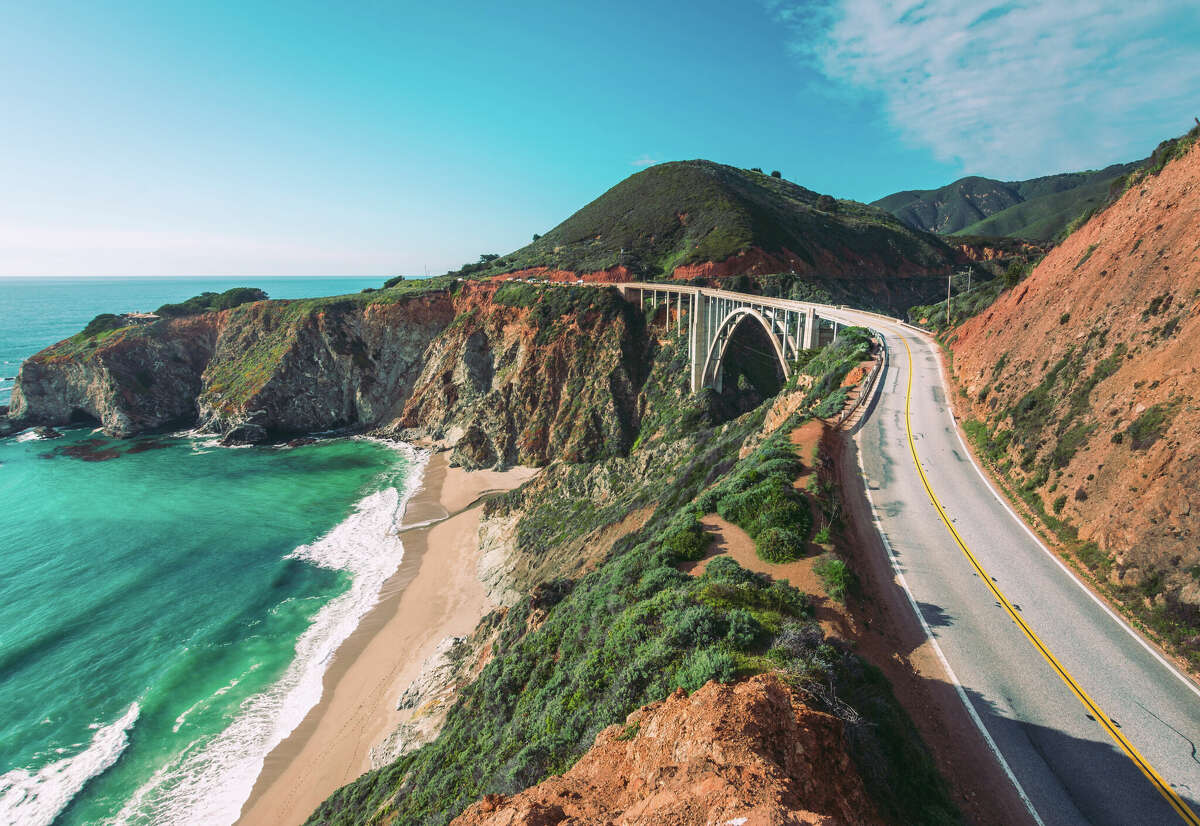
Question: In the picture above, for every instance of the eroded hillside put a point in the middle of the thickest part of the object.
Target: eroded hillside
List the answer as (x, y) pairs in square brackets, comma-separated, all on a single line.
[(1085, 379)]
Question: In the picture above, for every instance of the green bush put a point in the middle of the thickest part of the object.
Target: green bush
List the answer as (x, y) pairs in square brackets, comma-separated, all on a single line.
[(687, 542), (704, 665), (779, 545), (744, 630), (210, 301), (836, 575), (103, 323), (1149, 427)]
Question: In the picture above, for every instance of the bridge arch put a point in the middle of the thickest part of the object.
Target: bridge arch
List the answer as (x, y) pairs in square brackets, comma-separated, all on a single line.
[(714, 361)]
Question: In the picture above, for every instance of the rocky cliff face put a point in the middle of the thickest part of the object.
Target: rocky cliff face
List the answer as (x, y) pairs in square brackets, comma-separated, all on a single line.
[(1086, 374), (500, 382), (523, 383), (749, 753), (130, 381)]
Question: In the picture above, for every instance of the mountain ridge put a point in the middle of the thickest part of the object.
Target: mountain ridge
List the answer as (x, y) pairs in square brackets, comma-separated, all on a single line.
[(1039, 208)]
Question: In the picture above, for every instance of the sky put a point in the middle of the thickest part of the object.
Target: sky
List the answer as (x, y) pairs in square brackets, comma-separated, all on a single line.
[(363, 138)]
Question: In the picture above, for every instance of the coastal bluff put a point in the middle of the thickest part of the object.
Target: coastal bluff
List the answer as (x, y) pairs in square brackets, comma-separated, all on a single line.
[(502, 380)]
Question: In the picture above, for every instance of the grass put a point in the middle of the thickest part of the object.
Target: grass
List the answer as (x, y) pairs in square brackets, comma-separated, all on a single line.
[(686, 212), (836, 576)]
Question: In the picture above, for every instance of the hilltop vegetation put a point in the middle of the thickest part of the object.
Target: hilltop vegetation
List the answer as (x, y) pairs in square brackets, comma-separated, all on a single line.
[(208, 302), (1039, 209), (695, 212)]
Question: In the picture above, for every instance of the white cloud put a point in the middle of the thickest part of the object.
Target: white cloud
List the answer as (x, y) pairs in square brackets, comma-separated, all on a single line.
[(644, 161), (1013, 89)]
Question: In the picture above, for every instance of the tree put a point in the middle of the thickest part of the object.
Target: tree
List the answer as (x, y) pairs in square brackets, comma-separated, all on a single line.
[(536, 236), (488, 257), (775, 173)]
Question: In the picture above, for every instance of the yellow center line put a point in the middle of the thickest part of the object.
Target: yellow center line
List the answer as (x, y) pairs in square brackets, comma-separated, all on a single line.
[(1094, 710)]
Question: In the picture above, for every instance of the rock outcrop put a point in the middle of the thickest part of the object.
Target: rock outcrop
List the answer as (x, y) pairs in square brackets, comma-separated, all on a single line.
[(499, 383), (1088, 376), (749, 754)]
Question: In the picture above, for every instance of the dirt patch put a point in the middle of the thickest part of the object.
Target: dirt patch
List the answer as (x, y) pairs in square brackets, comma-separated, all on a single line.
[(750, 753)]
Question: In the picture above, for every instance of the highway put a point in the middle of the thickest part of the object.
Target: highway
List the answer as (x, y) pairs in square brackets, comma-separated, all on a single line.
[(1092, 724)]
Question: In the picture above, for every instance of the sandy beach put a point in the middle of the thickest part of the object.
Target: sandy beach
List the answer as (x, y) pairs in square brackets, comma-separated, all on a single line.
[(434, 594)]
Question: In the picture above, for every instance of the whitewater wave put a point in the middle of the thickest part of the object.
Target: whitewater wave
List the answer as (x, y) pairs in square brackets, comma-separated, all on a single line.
[(211, 781), (36, 798)]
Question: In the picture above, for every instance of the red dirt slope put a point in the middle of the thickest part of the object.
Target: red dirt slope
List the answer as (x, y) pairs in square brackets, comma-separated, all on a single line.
[(749, 754), (1092, 365)]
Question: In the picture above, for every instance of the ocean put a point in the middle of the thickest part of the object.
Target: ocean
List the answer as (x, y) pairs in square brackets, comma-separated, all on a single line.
[(167, 606)]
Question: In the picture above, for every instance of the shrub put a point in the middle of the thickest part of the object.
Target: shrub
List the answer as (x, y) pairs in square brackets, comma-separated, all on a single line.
[(779, 545), (208, 302), (775, 173), (393, 281), (1064, 318), (686, 542), (697, 626), (832, 404), (103, 323), (838, 578), (1147, 428), (744, 630), (704, 665)]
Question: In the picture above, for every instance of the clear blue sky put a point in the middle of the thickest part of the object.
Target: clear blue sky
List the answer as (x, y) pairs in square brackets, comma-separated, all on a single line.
[(255, 138)]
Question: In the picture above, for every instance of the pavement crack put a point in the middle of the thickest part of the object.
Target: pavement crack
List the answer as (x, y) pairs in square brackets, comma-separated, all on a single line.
[(1182, 736)]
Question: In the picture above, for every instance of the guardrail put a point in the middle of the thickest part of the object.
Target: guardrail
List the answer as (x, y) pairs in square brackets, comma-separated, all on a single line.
[(869, 386)]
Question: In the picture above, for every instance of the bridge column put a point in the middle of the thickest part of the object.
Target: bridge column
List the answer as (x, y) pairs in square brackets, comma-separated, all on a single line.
[(698, 338), (810, 328)]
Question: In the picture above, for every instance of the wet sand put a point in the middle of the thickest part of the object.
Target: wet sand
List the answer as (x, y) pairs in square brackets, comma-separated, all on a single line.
[(434, 594)]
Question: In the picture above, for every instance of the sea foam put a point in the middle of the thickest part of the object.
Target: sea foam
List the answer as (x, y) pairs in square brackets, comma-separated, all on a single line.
[(212, 779), (36, 798)]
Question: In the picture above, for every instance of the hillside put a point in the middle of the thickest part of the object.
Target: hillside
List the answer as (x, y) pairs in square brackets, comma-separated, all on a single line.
[(727, 754), (1039, 209), (1083, 381), (692, 219)]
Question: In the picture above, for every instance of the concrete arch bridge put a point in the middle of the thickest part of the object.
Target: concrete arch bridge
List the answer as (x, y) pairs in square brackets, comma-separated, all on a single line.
[(713, 317)]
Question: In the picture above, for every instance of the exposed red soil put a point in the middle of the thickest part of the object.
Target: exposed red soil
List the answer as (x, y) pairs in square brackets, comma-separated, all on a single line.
[(615, 275), (1128, 278), (750, 754)]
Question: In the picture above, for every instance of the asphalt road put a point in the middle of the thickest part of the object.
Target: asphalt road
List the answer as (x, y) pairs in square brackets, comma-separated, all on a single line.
[(1065, 759)]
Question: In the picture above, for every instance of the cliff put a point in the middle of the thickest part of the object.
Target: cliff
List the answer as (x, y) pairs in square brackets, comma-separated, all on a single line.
[(508, 380), (1084, 377), (749, 753)]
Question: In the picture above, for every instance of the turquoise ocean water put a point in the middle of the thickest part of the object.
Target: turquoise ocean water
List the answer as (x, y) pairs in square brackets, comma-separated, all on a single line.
[(167, 614)]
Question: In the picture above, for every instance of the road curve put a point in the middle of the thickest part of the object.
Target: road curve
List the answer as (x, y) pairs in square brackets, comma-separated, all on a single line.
[(1044, 713)]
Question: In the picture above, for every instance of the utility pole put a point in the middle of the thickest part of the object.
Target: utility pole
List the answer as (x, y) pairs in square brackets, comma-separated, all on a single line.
[(948, 277)]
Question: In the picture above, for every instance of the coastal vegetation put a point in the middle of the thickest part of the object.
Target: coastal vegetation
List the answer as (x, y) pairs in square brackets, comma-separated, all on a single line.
[(208, 302), (628, 630)]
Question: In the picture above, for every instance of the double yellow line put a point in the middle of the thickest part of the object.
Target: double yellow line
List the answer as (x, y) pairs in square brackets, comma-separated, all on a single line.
[(1094, 710)]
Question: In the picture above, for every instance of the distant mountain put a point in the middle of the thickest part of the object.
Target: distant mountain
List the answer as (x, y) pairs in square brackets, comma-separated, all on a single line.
[(675, 217), (1039, 209)]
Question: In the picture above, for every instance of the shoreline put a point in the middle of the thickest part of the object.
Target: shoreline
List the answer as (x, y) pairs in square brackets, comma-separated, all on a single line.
[(434, 594)]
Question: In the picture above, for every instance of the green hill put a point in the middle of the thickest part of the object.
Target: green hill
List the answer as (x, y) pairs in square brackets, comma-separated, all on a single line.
[(695, 212), (1038, 209)]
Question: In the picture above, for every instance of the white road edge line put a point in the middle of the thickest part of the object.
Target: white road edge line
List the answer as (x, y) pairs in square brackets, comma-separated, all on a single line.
[(1057, 561), (937, 649)]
